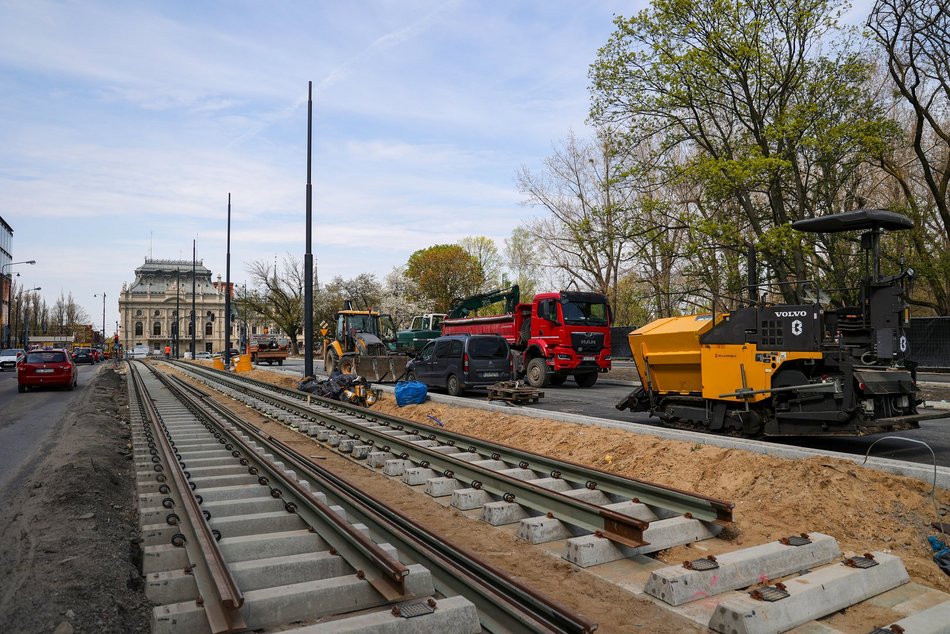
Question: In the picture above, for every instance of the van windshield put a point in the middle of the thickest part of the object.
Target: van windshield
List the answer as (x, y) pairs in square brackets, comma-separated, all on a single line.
[(487, 348)]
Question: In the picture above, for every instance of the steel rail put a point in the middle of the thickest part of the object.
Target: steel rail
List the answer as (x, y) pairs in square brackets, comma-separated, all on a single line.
[(220, 595), (504, 604), (615, 526), (361, 552), (699, 506)]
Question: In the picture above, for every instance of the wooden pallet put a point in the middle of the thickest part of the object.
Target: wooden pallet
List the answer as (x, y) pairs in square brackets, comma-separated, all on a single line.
[(514, 392)]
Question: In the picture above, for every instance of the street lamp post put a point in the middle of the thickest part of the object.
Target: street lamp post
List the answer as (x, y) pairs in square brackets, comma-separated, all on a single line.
[(4, 330), (103, 318)]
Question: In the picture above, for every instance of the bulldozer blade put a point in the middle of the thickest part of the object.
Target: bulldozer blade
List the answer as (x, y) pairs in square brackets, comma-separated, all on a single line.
[(388, 369)]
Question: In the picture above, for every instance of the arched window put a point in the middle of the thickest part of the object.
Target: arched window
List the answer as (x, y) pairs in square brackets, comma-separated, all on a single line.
[(191, 329), (157, 328), (208, 328), (138, 329)]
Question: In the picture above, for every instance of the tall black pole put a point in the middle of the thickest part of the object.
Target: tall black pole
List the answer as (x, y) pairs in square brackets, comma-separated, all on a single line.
[(177, 310), (194, 331), (308, 257), (227, 293)]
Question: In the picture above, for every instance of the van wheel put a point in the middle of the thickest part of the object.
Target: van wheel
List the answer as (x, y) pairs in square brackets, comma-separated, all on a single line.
[(558, 379), (586, 380), (454, 386), (537, 372), (21, 389)]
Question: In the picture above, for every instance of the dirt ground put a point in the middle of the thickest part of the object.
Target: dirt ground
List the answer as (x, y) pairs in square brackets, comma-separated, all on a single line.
[(774, 497), (69, 547)]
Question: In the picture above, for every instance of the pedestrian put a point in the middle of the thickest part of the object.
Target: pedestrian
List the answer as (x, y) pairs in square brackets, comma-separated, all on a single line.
[(168, 352)]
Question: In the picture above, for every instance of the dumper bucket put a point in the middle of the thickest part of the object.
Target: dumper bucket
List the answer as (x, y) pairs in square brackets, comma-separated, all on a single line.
[(388, 369)]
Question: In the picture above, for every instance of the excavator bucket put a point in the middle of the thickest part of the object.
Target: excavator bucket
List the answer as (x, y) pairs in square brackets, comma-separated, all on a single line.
[(388, 369)]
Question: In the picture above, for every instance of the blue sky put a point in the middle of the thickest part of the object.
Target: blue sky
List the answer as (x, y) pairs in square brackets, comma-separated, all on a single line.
[(126, 124)]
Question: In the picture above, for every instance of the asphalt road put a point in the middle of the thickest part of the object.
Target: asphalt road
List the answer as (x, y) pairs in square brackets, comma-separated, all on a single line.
[(599, 401), (29, 422)]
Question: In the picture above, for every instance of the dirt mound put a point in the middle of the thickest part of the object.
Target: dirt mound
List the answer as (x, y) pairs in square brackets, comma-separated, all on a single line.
[(69, 538)]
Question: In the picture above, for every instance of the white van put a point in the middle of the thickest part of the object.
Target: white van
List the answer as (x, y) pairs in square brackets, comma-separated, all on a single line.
[(139, 351)]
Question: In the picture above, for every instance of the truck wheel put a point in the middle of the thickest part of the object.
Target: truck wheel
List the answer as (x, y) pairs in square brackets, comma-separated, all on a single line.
[(558, 379), (280, 362), (454, 386), (537, 372), (586, 380), (330, 362)]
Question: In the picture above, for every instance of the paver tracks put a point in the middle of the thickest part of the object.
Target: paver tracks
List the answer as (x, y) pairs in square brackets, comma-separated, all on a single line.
[(243, 532)]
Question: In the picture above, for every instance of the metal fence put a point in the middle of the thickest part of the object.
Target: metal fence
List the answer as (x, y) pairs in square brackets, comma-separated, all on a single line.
[(929, 339)]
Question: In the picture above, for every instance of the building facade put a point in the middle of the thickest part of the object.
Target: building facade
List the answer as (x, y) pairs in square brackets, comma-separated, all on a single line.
[(159, 300), (6, 257)]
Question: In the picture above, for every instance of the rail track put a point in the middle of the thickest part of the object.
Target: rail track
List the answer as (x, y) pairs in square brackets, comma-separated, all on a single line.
[(242, 532), (596, 517), (553, 499)]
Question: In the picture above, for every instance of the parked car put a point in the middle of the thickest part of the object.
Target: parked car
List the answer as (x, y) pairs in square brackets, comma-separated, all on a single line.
[(83, 355), (10, 357), (461, 362), (139, 351), (203, 355), (97, 354), (46, 367)]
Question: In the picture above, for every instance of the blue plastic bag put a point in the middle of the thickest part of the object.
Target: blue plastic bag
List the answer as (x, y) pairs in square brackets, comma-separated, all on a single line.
[(410, 393)]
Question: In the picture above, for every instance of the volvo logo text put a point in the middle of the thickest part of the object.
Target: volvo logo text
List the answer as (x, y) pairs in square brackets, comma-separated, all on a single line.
[(791, 313)]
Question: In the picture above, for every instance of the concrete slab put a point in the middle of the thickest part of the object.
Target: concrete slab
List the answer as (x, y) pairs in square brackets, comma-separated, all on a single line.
[(361, 451), (633, 509), (288, 570), (588, 550), (935, 620), (811, 596), (521, 474), (554, 484), (454, 614), (171, 586), (281, 544), (677, 585), (271, 522), (593, 496), (467, 499), (501, 513), (417, 475), (377, 459), (396, 467), (540, 530), (441, 487)]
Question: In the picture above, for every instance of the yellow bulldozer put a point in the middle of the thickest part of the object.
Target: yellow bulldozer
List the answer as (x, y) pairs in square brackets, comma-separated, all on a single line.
[(364, 343)]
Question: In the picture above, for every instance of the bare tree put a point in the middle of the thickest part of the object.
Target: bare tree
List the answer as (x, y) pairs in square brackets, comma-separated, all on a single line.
[(914, 36), (279, 295), (588, 230)]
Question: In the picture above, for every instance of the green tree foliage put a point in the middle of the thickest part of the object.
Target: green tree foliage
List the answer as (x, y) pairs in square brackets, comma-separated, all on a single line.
[(740, 99), (444, 272)]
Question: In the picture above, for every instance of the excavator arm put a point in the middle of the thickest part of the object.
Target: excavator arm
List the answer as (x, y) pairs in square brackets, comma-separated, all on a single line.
[(462, 307)]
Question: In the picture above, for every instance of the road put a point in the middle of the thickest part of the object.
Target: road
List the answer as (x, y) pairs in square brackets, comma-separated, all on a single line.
[(599, 401), (29, 422)]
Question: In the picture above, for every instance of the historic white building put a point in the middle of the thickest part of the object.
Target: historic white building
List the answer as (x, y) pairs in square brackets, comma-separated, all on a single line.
[(161, 297)]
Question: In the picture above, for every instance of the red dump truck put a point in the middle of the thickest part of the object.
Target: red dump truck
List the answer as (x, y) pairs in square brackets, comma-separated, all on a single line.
[(556, 336)]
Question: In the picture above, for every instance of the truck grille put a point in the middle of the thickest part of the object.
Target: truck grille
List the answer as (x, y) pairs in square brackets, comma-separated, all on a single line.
[(587, 342)]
